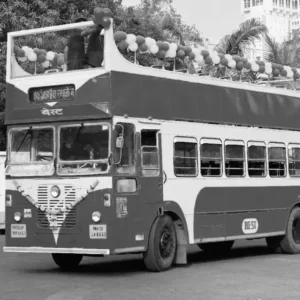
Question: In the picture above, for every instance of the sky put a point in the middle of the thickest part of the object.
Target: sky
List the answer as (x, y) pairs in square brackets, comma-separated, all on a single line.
[(213, 18)]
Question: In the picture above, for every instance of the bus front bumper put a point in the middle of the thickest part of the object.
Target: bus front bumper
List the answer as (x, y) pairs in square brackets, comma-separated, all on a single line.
[(57, 250)]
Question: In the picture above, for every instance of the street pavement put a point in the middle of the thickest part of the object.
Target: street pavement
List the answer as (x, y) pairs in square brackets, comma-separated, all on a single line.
[(249, 272)]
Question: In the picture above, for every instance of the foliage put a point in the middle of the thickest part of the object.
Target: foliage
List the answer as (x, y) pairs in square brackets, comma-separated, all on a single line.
[(286, 53), (248, 32)]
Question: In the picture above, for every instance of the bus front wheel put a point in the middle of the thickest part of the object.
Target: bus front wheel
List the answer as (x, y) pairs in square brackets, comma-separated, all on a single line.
[(162, 244), (290, 243), (67, 261)]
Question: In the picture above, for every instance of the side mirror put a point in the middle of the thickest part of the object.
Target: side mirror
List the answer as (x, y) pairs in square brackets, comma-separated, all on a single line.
[(120, 142)]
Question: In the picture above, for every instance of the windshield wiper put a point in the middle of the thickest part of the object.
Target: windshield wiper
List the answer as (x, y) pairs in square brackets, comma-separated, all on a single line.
[(29, 131), (78, 133)]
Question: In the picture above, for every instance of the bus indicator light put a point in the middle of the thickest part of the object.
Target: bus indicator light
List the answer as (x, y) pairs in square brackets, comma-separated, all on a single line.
[(107, 200), (250, 226)]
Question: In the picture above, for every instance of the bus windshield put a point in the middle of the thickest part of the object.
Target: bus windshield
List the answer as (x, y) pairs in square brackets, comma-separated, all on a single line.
[(83, 148), (77, 48), (31, 152)]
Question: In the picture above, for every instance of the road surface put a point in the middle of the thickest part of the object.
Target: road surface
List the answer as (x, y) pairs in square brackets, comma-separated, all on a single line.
[(249, 272)]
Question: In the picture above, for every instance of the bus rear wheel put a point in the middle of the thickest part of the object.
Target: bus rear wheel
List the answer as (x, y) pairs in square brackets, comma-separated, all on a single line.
[(217, 248), (67, 261), (162, 245), (290, 243)]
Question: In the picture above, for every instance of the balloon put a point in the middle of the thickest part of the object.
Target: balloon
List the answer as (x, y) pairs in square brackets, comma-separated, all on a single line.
[(143, 48), (36, 51), (150, 42), (204, 53), (283, 73), (42, 52), (98, 15), (228, 57), (50, 55), (188, 50), (26, 50), (60, 60), (260, 63), (236, 58), (224, 61), (21, 53), (122, 45), (196, 51), (276, 72), (216, 60), (171, 53), (254, 67), (154, 49), (261, 69), (46, 64), (140, 40), (243, 60), (22, 59), (208, 60), (173, 46), (165, 46), (268, 65), (120, 36), (221, 55), (181, 54), (133, 47), (268, 70), (296, 76), (232, 64), (130, 39), (294, 70), (32, 56), (16, 49), (160, 45), (247, 66), (105, 22), (107, 12), (199, 58), (161, 54), (41, 58), (290, 74), (192, 56), (240, 65), (40, 41)]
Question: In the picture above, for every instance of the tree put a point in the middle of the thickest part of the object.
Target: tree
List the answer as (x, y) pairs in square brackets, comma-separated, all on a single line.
[(248, 32), (286, 53)]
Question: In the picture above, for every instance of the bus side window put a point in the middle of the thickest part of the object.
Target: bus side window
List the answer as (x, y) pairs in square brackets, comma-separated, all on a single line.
[(277, 160), (149, 153), (294, 160), (185, 157), (126, 153), (257, 159), (211, 157), (234, 158)]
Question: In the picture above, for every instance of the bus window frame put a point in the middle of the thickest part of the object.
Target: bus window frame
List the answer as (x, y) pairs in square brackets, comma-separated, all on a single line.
[(278, 145), (257, 143), (229, 142), (77, 124), (216, 141), (292, 146), (186, 139)]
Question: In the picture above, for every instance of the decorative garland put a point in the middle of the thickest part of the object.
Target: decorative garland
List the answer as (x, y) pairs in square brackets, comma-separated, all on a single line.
[(162, 50)]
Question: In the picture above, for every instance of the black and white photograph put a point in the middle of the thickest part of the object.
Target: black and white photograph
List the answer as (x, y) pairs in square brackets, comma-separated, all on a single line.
[(149, 149)]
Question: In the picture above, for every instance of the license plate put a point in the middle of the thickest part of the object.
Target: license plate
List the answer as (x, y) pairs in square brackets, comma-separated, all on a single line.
[(18, 231), (98, 232)]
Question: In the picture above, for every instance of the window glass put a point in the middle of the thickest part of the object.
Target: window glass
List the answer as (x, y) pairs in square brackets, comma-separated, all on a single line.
[(126, 154), (211, 158), (294, 161), (185, 158), (256, 160), (149, 151), (277, 160), (234, 159)]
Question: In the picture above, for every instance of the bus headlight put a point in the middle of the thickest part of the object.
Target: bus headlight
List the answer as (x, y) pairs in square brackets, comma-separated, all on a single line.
[(96, 216), (17, 217), (55, 191)]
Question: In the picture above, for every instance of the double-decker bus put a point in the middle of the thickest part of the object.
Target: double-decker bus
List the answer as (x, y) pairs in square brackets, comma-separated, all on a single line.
[(121, 158), (2, 192)]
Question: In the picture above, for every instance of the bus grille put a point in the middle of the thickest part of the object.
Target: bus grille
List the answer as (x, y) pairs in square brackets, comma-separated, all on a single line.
[(65, 220)]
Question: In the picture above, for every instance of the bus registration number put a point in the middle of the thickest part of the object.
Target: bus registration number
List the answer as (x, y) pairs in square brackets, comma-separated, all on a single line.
[(18, 231), (98, 232)]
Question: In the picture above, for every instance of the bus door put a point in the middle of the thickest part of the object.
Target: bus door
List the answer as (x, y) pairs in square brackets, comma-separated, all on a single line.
[(138, 180)]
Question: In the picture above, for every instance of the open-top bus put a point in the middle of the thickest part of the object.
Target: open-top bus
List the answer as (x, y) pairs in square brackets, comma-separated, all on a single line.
[(123, 158)]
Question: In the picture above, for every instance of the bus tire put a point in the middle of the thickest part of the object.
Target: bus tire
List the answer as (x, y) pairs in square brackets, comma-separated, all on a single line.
[(217, 247), (162, 245), (67, 261), (290, 243)]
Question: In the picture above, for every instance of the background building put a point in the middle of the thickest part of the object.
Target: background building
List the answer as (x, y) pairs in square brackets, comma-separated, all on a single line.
[(280, 16)]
